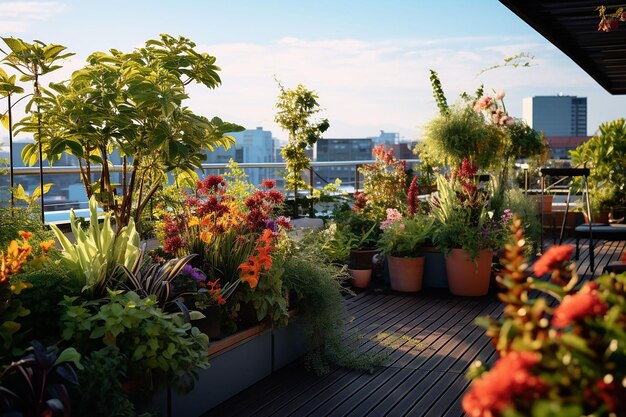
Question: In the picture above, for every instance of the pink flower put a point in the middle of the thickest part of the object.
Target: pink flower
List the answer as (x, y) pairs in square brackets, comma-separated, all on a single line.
[(482, 103), (393, 216), (585, 303)]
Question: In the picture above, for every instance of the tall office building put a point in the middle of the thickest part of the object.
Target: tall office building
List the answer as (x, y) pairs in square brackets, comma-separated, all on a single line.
[(253, 146), (556, 115)]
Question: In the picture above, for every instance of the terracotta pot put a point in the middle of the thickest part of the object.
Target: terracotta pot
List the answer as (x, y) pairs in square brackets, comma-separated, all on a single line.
[(467, 277), (547, 203), (360, 278), (601, 217), (405, 274)]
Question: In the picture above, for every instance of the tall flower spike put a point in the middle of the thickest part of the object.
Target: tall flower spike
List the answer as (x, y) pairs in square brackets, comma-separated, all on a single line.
[(413, 197)]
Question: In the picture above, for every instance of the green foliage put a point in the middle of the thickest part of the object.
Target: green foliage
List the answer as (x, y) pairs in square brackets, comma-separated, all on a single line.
[(605, 155), (457, 224), (35, 385), (438, 93), (12, 220), (101, 393), (157, 280), (460, 133), (159, 347), (404, 238), (93, 259), (524, 208), (295, 109), (360, 231), (50, 283), (318, 290), (238, 186), (135, 103)]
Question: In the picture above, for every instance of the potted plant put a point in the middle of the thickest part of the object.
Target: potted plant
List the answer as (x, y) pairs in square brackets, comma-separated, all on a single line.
[(466, 232), (605, 155), (401, 242)]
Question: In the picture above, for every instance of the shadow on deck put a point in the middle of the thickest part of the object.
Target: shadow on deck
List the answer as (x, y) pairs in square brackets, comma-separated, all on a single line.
[(431, 340)]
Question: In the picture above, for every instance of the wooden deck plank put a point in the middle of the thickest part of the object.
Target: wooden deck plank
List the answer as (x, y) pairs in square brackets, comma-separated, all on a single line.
[(431, 341)]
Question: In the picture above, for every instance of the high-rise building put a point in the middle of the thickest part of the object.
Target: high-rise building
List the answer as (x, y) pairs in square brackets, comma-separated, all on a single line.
[(556, 115), (253, 146)]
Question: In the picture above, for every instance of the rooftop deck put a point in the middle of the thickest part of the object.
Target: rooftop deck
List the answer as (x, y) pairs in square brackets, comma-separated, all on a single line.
[(430, 339)]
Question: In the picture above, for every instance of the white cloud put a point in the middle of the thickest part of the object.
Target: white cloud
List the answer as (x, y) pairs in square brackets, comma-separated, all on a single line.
[(17, 16), (31, 10), (13, 26), (378, 85)]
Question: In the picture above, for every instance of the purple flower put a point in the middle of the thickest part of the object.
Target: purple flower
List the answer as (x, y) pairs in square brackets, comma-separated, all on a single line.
[(271, 224), (194, 273)]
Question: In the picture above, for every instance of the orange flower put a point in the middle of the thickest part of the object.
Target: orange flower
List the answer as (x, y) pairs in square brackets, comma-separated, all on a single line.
[(554, 258), (250, 271), (47, 245), (25, 235), (220, 300), (510, 378), (586, 303)]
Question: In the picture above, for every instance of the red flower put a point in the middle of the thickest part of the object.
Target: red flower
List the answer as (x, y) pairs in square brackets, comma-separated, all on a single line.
[(173, 244), (509, 379), (211, 184), (276, 197), (284, 222), (585, 303), (412, 197), (267, 183), (467, 170), (360, 200), (554, 258)]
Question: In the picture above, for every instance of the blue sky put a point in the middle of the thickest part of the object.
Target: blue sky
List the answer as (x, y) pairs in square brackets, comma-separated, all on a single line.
[(368, 60)]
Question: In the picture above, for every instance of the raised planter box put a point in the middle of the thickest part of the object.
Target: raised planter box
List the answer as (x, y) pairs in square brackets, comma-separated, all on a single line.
[(237, 362)]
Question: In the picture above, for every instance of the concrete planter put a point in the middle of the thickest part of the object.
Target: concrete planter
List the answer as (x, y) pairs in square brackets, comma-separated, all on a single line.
[(236, 362)]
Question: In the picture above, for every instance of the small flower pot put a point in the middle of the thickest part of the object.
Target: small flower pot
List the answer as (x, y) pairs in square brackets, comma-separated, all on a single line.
[(360, 278), (406, 274)]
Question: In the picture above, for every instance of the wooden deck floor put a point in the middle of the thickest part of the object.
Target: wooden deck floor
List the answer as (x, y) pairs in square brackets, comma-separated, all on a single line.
[(430, 339)]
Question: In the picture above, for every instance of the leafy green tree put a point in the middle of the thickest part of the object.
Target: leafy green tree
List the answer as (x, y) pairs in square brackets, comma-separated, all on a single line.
[(133, 103), (296, 108), (32, 61)]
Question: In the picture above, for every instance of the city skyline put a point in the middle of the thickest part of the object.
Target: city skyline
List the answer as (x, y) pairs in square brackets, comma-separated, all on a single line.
[(368, 61)]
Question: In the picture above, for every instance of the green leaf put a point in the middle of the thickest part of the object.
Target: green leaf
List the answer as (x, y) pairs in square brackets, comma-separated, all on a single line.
[(16, 45), (4, 119), (69, 355)]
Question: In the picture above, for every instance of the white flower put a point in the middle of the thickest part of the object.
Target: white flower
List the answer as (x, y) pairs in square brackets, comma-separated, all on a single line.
[(500, 95)]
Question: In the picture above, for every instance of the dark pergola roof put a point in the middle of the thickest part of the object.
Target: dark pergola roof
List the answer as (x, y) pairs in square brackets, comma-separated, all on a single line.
[(572, 26)]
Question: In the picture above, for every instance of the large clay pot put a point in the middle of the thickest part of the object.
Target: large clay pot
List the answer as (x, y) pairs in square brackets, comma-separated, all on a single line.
[(405, 274), (360, 278), (467, 277)]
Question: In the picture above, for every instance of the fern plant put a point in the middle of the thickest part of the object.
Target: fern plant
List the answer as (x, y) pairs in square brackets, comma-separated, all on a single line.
[(93, 259)]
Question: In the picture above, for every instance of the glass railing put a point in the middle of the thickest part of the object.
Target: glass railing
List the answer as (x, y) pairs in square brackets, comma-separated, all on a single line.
[(68, 191)]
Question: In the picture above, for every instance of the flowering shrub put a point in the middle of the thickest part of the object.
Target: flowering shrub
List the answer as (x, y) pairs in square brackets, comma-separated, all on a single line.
[(234, 235), (462, 218), (404, 236), (565, 360), (11, 263), (383, 184)]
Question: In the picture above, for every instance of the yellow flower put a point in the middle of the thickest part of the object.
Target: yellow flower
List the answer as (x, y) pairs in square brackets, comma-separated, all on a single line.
[(194, 221), (206, 236)]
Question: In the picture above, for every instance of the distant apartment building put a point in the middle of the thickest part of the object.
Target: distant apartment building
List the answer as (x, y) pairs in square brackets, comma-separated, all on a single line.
[(556, 115), (561, 145), (253, 146), (353, 149)]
